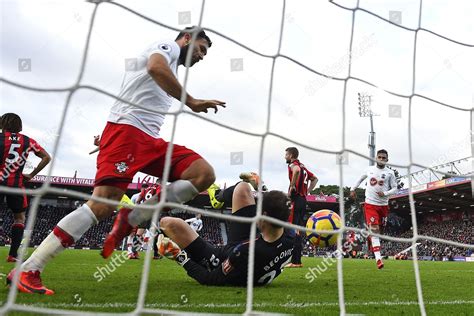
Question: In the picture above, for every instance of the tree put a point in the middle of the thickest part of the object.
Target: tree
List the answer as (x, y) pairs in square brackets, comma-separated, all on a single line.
[(334, 189)]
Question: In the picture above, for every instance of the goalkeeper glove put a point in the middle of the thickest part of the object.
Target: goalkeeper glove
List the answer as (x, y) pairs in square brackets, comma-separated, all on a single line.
[(167, 248)]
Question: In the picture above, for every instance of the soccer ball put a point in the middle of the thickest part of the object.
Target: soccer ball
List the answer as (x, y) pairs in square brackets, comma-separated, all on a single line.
[(323, 220)]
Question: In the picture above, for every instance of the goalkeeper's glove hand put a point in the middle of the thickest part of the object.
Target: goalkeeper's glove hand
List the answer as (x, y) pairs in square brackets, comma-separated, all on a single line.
[(167, 248), (182, 258)]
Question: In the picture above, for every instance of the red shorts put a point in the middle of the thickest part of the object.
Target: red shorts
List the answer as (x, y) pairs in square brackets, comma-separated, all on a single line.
[(375, 214), (126, 150)]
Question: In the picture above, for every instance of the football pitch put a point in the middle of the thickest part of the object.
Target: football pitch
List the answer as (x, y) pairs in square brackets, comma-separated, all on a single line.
[(448, 288)]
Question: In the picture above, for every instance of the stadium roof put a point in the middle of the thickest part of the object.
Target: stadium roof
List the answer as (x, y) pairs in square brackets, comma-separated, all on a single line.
[(443, 195)]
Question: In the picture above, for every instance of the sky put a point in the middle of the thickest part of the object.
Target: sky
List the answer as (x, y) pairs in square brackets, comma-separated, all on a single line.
[(42, 44)]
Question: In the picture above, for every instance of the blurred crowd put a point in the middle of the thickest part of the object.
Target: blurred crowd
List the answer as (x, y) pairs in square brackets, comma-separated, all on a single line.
[(458, 230), (461, 231), (48, 216)]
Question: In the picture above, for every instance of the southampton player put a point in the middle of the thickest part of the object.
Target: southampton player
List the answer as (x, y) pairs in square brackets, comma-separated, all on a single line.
[(381, 184), (14, 150), (195, 223), (131, 143), (302, 182), (228, 265)]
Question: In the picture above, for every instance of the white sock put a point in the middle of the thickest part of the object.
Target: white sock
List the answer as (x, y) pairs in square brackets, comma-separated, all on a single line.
[(180, 191), (376, 247), (66, 232), (49, 248), (129, 244)]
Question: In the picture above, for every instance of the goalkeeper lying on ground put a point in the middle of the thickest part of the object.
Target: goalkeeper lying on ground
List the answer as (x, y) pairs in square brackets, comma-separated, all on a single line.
[(228, 265)]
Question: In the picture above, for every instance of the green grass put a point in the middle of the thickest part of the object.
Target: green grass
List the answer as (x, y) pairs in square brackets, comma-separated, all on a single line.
[(448, 288)]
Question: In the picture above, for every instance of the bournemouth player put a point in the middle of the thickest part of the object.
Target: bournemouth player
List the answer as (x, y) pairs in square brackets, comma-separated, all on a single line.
[(14, 150), (228, 265), (302, 182), (380, 185), (130, 143)]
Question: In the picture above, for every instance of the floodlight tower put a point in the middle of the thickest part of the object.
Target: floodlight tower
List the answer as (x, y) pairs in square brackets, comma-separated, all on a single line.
[(365, 110)]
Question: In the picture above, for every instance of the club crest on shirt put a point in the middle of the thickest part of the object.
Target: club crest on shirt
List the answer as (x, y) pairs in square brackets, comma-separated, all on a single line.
[(165, 47), (373, 181), (372, 219), (121, 167), (383, 176), (227, 267)]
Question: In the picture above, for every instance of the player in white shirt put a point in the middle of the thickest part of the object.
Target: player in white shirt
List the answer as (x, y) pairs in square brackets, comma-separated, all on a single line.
[(131, 143), (195, 223), (381, 183), (132, 242)]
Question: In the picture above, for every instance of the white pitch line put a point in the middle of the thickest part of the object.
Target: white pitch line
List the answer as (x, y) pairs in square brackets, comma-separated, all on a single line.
[(258, 305)]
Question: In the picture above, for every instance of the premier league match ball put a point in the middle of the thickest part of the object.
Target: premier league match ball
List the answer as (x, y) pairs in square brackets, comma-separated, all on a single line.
[(323, 220)]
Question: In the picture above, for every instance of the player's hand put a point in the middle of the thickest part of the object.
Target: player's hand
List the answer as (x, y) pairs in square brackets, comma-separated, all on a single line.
[(292, 190), (97, 140), (203, 105), (27, 177), (353, 194), (381, 194)]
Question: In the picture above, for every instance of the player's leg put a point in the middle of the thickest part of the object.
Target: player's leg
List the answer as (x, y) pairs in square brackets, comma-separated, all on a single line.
[(243, 205), (120, 144), (156, 254), (16, 235), (375, 241), (373, 220), (221, 197), (72, 227), (65, 234), (241, 196), (18, 204), (382, 212), (130, 245), (299, 208), (142, 239), (215, 196)]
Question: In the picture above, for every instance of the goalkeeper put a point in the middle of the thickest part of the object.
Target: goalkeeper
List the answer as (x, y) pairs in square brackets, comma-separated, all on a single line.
[(228, 265)]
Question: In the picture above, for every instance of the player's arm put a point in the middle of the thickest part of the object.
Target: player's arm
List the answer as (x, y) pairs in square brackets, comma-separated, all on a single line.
[(189, 220), (161, 73), (313, 181), (393, 186), (296, 173), (362, 178), (199, 227), (140, 198), (45, 159)]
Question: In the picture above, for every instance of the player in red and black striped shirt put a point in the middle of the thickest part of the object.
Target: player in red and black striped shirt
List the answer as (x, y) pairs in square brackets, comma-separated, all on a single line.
[(14, 150), (302, 181)]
